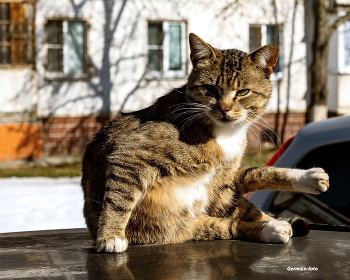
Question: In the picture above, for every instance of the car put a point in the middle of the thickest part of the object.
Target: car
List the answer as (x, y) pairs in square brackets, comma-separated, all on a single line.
[(324, 144)]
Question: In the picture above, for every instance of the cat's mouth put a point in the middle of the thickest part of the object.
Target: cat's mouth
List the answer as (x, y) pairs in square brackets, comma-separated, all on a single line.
[(224, 119)]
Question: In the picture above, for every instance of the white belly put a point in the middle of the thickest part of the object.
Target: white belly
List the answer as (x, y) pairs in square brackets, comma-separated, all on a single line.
[(195, 193)]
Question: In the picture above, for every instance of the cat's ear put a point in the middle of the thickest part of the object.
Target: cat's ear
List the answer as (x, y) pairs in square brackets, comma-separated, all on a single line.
[(200, 50), (265, 58)]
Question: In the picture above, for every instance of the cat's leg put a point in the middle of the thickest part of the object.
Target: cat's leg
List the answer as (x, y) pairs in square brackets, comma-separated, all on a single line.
[(313, 180), (272, 231), (211, 228), (123, 190), (245, 221), (251, 223), (264, 229)]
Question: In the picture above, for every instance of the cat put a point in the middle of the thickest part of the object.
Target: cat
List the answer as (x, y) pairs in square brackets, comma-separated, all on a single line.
[(171, 172)]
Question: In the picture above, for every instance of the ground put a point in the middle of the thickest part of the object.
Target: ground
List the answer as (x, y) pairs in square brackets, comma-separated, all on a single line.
[(31, 201), (40, 203)]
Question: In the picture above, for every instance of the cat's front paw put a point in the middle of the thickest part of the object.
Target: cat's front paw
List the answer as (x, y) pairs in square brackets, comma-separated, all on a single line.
[(111, 244), (276, 231), (314, 180)]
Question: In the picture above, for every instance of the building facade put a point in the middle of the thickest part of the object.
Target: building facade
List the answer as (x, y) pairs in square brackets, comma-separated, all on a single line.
[(67, 67)]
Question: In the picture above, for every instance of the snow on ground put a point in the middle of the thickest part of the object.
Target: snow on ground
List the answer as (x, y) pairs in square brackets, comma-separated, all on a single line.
[(40, 203)]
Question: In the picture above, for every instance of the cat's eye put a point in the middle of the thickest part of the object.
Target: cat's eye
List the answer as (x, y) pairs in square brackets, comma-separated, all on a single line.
[(242, 92), (212, 90)]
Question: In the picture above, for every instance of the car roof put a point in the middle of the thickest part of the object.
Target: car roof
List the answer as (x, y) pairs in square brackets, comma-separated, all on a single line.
[(315, 135)]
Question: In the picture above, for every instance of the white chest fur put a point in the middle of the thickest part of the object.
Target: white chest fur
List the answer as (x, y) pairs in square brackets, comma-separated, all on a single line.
[(188, 195), (231, 139)]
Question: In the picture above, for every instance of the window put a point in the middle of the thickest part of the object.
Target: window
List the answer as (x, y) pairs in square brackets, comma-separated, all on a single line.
[(260, 35), (344, 48), (166, 49), (17, 33), (66, 47)]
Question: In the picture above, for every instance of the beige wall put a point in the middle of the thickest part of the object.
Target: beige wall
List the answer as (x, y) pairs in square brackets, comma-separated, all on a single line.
[(124, 77)]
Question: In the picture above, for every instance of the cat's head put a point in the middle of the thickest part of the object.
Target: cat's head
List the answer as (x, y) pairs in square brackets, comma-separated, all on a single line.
[(230, 86)]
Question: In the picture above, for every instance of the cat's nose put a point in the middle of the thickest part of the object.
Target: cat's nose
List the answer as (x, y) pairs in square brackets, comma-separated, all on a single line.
[(224, 110)]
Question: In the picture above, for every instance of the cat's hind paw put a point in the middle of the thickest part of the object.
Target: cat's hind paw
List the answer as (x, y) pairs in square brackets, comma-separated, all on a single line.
[(276, 231), (313, 180), (111, 244)]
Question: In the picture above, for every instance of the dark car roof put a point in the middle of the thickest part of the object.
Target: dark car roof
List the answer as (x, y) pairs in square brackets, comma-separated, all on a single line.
[(314, 135), (69, 254)]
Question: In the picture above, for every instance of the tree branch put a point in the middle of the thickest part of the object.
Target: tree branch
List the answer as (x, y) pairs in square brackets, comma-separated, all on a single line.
[(337, 23)]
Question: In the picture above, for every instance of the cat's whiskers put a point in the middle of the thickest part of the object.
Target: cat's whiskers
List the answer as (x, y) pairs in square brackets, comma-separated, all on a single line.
[(193, 110), (267, 135), (177, 113), (177, 90), (267, 125), (184, 113), (94, 201), (191, 119), (253, 125)]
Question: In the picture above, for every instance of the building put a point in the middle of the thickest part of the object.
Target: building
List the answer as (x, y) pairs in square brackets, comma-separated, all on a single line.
[(68, 66)]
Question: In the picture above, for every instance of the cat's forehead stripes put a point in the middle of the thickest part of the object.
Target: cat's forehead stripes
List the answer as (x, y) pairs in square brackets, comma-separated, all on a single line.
[(231, 65)]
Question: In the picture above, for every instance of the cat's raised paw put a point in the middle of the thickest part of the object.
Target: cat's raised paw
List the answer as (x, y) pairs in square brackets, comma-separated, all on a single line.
[(276, 231), (314, 180), (111, 244)]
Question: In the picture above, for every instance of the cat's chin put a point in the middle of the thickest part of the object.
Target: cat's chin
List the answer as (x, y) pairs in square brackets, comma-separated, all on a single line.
[(226, 122)]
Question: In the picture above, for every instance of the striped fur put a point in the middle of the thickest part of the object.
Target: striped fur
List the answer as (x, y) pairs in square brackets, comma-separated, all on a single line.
[(170, 173)]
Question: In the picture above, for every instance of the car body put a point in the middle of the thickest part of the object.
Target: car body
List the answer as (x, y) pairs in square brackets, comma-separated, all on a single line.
[(324, 144)]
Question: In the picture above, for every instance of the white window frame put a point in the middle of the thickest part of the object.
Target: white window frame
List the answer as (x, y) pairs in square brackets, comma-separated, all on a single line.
[(166, 72), (342, 68), (276, 75), (65, 74)]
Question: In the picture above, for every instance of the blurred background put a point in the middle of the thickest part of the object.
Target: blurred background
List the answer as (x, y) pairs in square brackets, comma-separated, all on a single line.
[(68, 67)]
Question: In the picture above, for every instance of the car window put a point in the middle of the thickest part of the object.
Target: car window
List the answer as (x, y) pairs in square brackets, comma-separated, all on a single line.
[(335, 160), (331, 207)]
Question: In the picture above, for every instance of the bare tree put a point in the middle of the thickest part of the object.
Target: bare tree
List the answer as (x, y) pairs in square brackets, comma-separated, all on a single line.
[(323, 30)]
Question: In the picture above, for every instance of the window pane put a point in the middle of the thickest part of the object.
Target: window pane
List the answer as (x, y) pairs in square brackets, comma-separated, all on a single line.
[(54, 37), (55, 59), (54, 32), (155, 42), (347, 43), (17, 14), (5, 50), (4, 11), (272, 36), (254, 38), (16, 33), (175, 47), (155, 34), (76, 48), (5, 55), (155, 58)]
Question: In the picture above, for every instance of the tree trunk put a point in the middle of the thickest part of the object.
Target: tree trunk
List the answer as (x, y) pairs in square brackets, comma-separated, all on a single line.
[(317, 109)]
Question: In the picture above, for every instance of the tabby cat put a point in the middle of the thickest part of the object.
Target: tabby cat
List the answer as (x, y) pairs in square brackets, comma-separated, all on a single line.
[(171, 172)]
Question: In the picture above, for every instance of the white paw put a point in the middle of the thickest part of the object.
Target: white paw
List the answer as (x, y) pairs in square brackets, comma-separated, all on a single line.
[(112, 244), (314, 180), (276, 231)]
